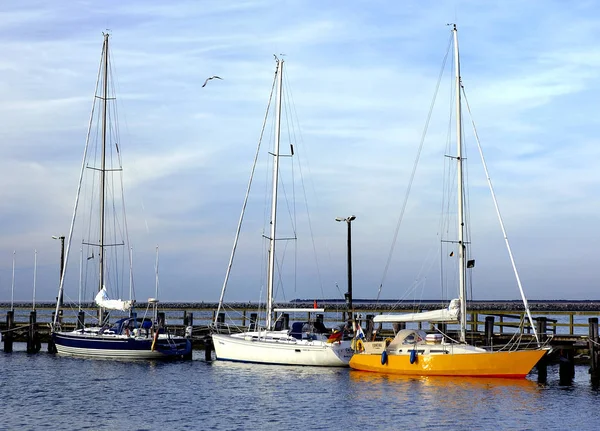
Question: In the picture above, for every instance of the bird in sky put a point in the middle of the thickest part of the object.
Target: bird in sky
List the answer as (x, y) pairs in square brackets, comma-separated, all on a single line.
[(208, 79)]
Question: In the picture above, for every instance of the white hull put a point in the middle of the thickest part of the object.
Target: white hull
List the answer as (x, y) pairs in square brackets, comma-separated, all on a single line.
[(280, 349)]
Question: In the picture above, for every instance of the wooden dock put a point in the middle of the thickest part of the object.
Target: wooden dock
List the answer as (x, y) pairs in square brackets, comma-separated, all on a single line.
[(569, 328)]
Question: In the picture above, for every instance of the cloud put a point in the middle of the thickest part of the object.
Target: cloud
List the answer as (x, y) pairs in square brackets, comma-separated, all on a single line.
[(361, 78)]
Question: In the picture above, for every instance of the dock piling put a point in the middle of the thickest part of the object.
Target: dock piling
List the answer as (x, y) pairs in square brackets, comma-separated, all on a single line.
[(566, 367), (80, 320), (369, 327), (594, 350), (33, 341), (8, 335), (188, 319), (208, 348), (253, 321), (489, 331)]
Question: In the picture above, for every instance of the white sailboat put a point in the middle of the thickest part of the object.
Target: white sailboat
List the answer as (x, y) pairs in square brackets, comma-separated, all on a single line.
[(306, 343), (129, 337), (413, 351)]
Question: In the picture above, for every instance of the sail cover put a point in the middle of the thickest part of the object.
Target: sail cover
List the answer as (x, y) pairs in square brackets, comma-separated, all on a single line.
[(102, 300), (449, 314)]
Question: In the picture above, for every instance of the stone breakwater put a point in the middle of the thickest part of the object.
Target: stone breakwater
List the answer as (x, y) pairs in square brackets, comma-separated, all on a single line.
[(362, 305)]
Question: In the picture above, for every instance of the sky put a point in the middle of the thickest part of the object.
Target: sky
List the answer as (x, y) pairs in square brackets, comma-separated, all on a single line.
[(362, 75)]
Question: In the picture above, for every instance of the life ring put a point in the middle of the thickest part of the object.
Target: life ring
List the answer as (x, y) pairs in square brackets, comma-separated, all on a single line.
[(359, 346), (388, 341)]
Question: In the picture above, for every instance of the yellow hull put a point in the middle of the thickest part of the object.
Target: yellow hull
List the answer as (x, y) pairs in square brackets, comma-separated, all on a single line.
[(515, 364)]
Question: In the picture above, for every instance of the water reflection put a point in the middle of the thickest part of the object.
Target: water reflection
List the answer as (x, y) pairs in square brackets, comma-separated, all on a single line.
[(225, 395), (441, 382), (438, 399)]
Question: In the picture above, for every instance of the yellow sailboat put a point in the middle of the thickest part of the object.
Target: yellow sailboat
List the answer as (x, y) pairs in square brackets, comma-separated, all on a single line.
[(413, 351)]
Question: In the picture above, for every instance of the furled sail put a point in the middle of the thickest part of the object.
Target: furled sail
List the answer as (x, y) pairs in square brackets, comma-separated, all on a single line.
[(449, 315), (102, 300)]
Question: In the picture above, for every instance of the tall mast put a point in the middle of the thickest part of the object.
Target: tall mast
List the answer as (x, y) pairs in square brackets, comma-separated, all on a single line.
[(103, 163), (271, 270), (462, 294)]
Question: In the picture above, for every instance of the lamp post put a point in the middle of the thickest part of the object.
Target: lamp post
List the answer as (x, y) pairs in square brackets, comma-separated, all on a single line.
[(348, 295), (62, 263)]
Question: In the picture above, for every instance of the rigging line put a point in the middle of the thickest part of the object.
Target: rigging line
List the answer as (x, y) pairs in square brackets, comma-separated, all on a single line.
[(294, 214), (448, 188), (68, 246), (112, 273), (125, 231), (467, 206), (510, 254), (414, 170), (239, 226), (290, 210), (279, 264), (292, 108)]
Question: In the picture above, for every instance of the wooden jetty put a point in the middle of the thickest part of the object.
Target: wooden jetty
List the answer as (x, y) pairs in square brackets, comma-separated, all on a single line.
[(569, 328)]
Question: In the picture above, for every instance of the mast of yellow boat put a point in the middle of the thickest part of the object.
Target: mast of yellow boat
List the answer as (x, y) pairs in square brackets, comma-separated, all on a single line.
[(462, 291)]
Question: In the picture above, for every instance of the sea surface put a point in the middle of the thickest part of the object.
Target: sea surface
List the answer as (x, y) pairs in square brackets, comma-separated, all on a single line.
[(47, 392)]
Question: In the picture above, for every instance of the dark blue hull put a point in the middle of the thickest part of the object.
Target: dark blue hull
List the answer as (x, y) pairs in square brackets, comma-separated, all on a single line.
[(99, 346)]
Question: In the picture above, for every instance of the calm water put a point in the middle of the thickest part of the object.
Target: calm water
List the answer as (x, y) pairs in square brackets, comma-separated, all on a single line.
[(47, 392)]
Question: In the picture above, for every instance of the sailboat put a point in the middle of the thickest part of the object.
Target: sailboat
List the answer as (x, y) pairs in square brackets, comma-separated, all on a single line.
[(305, 343), (415, 352), (129, 337)]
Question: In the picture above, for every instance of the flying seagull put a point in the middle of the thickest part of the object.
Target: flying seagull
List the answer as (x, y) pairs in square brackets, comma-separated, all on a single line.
[(208, 79)]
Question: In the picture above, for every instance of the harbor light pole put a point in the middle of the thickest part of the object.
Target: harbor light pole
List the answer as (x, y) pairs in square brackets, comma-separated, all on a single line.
[(62, 263), (348, 295)]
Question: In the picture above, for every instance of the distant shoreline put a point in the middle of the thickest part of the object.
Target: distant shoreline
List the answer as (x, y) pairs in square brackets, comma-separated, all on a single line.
[(359, 304)]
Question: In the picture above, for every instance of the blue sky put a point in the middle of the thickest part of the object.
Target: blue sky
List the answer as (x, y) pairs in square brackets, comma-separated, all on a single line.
[(362, 74)]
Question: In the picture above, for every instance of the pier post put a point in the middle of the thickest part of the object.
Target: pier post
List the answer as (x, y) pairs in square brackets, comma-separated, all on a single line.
[(161, 319), (59, 320), (594, 350), (8, 335), (51, 345), (398, 326), (253, 321), (318, 319), (489, 331), (442, 328), (541, 327), (81, 319), (188, 319), (208, 348), (33, 341), (104, 316), (369, 327), (566, 367)]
